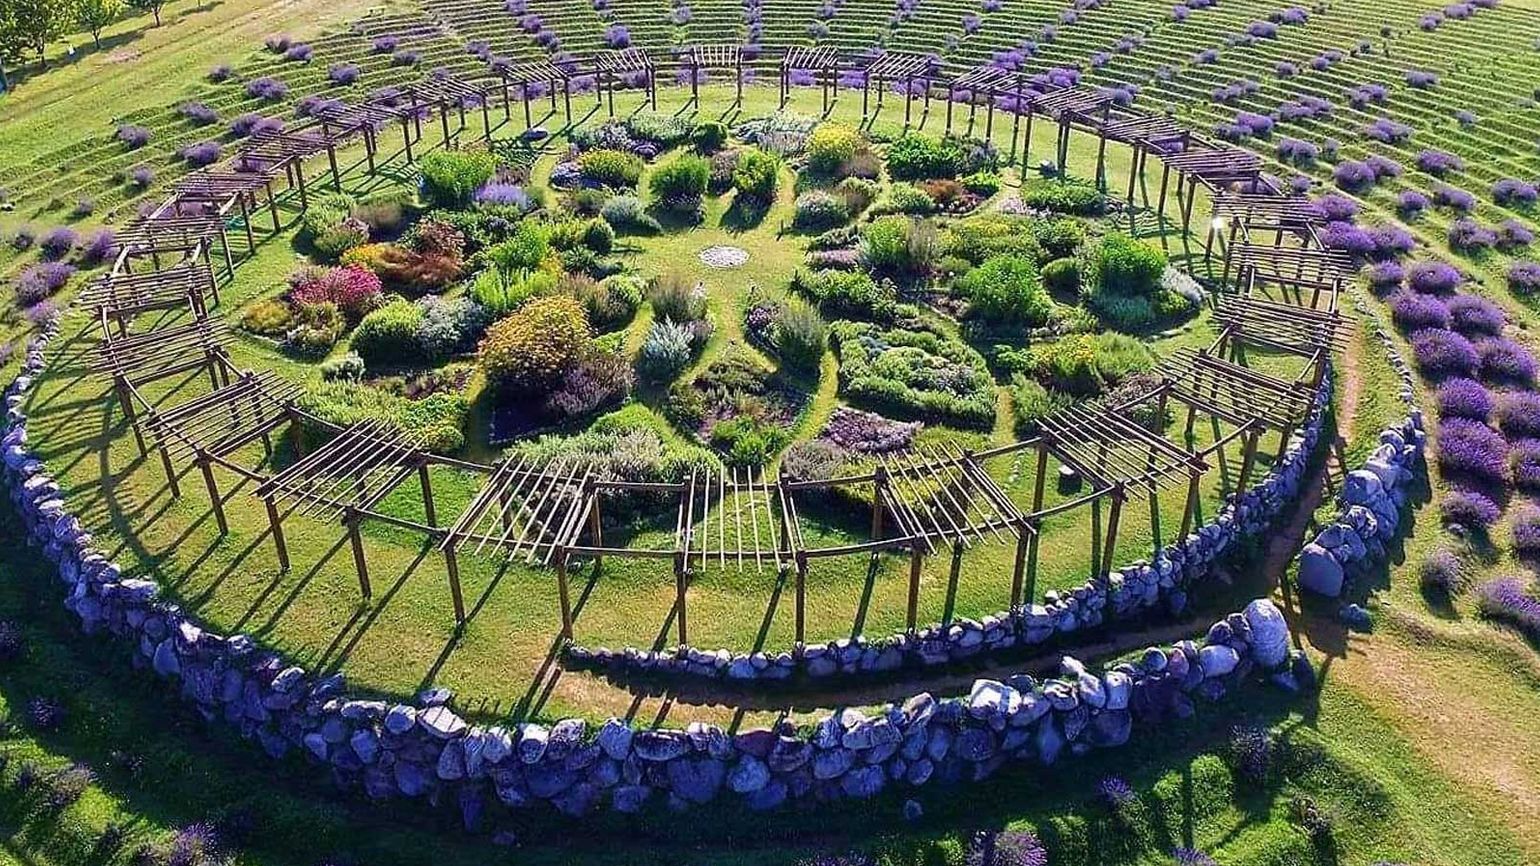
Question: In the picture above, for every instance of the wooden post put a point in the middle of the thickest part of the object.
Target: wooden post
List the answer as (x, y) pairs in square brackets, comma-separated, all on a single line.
[(1109, 550), (1025, 533), (566, 598), (406, 137), (214, 501), (951, 96), (443, 121), (427, 494), (360, 562), (679, 588), (952, 576), (1247, 459), (595, 526), (1039, 485), (126, 400), (275, 521), (879, 483), (1193, 491), (452, 563), (801, 565), (915, 563)]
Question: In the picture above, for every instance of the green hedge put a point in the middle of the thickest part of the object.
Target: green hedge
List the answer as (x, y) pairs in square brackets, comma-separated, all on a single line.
[(920, 374)]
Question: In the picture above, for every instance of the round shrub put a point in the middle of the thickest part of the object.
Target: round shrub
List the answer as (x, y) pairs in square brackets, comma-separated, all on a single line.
[(1414, 312), (709, 136), (1505, 361), (1518, 414), (1525, 526), (1473, 449), (58, 243), (1062, 276), (355, 290), (1475, 316), (757, 175), (1007, 289), (1441, 573), (676, 299), (1433, 278), (628, 213), (666, 351), (919, 157), (1064, 196), (1384, 276), (611, 168), (1464, 398), (1468, 508), (388, 336), (1442, 352), (39, 281), (681, 183), (1524, 278), (831, 145), (799, 334), (451, 177), (1524, 464), (533, 347), (1129, 267)]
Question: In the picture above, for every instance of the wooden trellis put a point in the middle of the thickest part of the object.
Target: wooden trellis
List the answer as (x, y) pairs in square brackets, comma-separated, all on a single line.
[(554, 77), (443, 91), (344, 121), (1146, 134), (701, 59), (245, 408), (227, 190), (897, 66), (822, 61), (1309, 333), (614, 64), (1319, 270), (345, 480), (1214, 168), (988, 82), (140, 359), (1251, 400), (121, 297), (166, 231)]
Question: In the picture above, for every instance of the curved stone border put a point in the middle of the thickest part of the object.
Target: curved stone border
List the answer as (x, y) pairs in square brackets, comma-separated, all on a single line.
[(1130, 591), (1369, 507), (429, 751)]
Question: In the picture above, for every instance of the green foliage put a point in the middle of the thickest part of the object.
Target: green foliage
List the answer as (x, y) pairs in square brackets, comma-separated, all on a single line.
[(677, 299), (440, 417), (1062, 195), (847, 293), (530, 350), (609, 303), (665, 130), (832, 145), (666, 351), (799, 334), (898, 246), (1031, 402), (316, 331), (598, 236), (1126, 266), (905, 198), (988, 235), (1058, 237), (1007, 289), (816, 210), (384, 212), (748, 441), (982, 183), (526, 248), (627, 213), (917, 157), (388, 336), (502, 295), (857, 194), (612, 168), (326, 226), (1062, 276), (681, 181), (709, 136), (918, 373), (346, 368), (267, 318), (757, 175), (451, 177), (1083, 365)]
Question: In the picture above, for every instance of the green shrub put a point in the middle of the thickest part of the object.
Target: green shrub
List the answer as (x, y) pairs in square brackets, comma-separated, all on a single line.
[(530, 350), (1129, 267), (502, 294), (328, 226), (665, 130), (1062, 276), (757, 175), (598, 236), (626, 213), (451, 177), (666, 351), (588, 201), (525, 249), (317, 329), (920, 373), (609, 303), (817, 210), (1006, 289), (1058, 237), (831, 145), (1062, 195), (344, 368), (268, 318), (1031, 402), (613, 168), (681, 182), (709, 136), (918, 157), (388, 336), (747, 441), (1082, 365), (981, 237), (384, 212), (857, 193), (905, 198), (982, 183), (1122, 312), (847, 293), (676, 299), (440, 418), (799, 334), (898, 245)]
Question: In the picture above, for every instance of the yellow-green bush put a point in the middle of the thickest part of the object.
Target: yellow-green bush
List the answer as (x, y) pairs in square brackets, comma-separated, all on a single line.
[(532, 348)]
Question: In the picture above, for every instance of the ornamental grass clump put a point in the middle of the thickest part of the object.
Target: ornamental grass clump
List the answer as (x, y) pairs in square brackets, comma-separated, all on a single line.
[(1441, 352), (1511, 600), (1468, 508), (1475, 316), (1464, 398), (1518, 414), (1472, 450)]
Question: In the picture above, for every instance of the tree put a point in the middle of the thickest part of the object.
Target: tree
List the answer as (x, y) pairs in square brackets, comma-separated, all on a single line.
[(95, 15), (151, 6), (32, 24)]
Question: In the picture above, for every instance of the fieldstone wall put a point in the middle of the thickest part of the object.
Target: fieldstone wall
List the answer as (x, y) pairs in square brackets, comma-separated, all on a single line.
[(1372, 495), (1127, 593), (428, 751)]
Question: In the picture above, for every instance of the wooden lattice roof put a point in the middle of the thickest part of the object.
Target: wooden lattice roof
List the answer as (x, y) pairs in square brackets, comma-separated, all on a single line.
[(352, 472), (1307, 266), (524, 508), (815, 57), (1286, 327), (623, 60), (1238, 394), (987, 78), (1112, 450), (152, 355), (182, 284), (226, 418), (715, 56), (1250, 207), (892, 65)]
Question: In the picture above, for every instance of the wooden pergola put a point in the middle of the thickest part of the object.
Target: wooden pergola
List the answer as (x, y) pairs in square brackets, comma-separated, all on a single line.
[(1214, 168), (1253, 401), (166, 230), (701, 59), (136, 360), (615, 64), (345, 480), (1146, 134), (1289, 328), (521, 75), (118, 299), (897, 66), (338, 123), (989, 82), (823, 61), (267, 152), (206, 430), (1084, 106), (226, 190), (1314, 268)]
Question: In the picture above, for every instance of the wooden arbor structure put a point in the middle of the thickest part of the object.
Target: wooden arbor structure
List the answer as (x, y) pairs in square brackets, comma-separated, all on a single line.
[(522, 75), (989, 82), (1080, 106), (822, 61), (1146, 134), (700, 60), (618, 65), (896, 66), (118, 299)]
